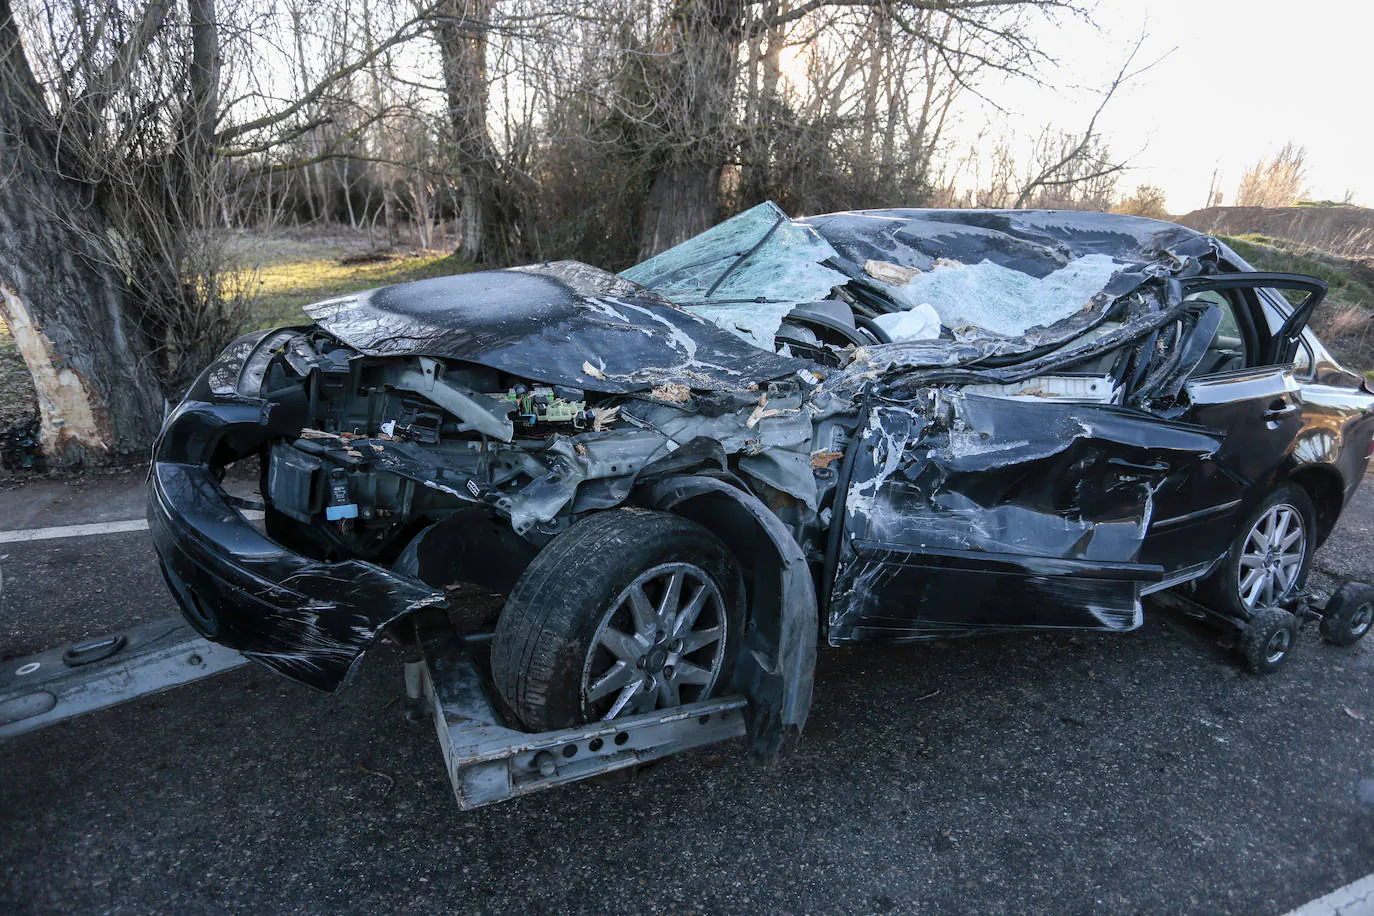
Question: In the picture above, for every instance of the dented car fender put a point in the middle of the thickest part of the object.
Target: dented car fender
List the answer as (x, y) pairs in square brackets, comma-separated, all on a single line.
[(777, 661)]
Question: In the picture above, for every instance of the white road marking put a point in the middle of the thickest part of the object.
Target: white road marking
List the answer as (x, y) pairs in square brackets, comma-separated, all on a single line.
[(72, 531), (1355, 899), (20, 535)]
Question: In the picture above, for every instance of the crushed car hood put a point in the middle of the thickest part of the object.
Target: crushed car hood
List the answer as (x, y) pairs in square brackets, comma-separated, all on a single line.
[(563, 323)]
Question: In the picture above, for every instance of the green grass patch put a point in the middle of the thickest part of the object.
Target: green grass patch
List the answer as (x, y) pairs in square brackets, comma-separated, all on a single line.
[(283, 287), (1283, 256), (1345, 321)]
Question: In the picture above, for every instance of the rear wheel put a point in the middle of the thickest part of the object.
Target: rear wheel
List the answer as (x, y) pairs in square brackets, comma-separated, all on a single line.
[(627, 612), (1269, 558)]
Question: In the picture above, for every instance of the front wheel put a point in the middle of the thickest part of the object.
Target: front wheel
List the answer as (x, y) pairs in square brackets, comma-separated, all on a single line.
[(1268, 560), (626, 612)]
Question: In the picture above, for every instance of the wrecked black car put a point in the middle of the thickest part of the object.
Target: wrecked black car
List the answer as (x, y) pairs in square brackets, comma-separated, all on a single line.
[(863, 427)]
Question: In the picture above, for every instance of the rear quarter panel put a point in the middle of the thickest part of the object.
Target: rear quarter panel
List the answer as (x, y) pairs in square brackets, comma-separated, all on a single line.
[(1338, 425)]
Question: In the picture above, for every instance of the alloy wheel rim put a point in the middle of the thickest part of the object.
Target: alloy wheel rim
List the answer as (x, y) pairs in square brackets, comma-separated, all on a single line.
[(1272, 557), (1278, 645), (1361, 619), (661, 644)]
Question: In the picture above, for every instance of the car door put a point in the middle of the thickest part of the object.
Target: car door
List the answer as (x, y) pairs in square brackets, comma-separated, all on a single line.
[(1255, 410)]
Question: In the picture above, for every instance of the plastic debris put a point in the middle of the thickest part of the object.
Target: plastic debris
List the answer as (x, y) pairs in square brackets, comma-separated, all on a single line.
[(671, 392), (603, 417), (761, 411), (887, 272), (825, 459), (919, 323)]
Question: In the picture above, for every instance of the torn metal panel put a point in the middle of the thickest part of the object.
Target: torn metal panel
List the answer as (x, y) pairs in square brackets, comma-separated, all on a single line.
[(981, 512)]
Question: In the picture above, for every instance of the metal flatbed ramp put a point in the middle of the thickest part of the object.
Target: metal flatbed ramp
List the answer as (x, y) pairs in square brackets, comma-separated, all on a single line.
[(61, 683), (488, 761)]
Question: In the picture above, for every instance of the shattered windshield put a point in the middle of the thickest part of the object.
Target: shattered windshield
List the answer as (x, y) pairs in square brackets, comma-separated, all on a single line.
[(987, 296), (745, 274)]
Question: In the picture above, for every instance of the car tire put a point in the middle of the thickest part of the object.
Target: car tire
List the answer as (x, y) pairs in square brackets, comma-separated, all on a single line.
[(1225, 589), (594, 628), (1349, 615), (1267, 640)]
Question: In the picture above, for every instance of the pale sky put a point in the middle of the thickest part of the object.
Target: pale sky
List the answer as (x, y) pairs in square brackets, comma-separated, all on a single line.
[(1243, 78)]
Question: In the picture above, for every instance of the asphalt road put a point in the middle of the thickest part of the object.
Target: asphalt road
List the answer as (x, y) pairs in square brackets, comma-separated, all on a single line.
[(1064, 774)]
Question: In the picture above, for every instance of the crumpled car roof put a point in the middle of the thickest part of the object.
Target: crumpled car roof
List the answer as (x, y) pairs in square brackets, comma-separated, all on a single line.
[(1035, 242)]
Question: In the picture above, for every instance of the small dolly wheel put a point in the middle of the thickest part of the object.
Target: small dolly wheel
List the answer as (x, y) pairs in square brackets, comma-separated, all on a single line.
[(1348, 615), (1267, 639)]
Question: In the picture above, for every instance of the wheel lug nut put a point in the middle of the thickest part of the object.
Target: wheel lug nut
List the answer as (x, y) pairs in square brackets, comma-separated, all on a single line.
[(675, 646), (649, 682), (668, 672)]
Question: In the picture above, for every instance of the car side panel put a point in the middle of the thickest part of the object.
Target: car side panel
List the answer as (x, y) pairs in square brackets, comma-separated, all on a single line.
[(1337, 426), (1019, 514)]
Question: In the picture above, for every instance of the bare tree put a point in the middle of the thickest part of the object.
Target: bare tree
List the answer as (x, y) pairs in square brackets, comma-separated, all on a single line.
[(693, 80), (461, 30), (1075, 170), (1214, 195), (61, 293)]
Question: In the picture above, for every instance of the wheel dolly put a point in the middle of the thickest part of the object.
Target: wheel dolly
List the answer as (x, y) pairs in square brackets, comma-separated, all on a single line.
[(1265, 639), (445, 678)]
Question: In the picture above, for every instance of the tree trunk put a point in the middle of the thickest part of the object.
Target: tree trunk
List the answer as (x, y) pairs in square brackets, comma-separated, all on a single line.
[(682, 203), (695, 85), (59, 294), (460, 29)]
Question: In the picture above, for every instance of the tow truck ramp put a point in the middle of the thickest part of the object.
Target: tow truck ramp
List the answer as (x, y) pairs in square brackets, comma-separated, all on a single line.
[(56, 685), (486, 759)]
